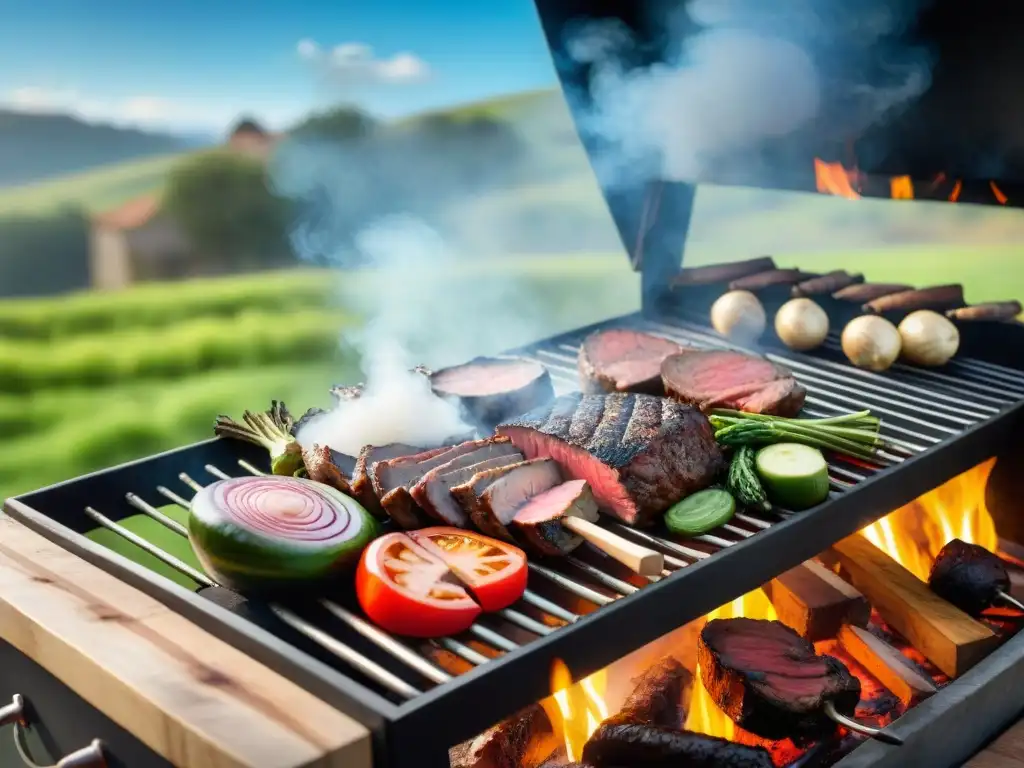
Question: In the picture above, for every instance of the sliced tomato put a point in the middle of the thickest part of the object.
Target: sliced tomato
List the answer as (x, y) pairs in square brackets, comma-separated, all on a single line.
[(494, 571), (406, 590)]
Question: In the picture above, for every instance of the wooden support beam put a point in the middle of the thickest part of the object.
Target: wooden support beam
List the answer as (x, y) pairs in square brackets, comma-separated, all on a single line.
[(815, 602), (948, 637), (188, 696), (887, 665)]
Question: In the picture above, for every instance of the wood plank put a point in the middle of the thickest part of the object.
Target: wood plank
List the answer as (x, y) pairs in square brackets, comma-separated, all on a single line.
[(948, 637), (1011, 743), (993, 760), (191, 698), (815, 602), (887, 665)]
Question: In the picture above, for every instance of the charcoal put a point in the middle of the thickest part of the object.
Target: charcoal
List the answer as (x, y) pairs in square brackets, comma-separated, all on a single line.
[(968, 576), (636, 745)]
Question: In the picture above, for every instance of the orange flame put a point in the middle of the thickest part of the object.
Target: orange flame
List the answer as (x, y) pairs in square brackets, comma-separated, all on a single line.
[(582, 706), (901, 188), (914, 534), (833, 179)]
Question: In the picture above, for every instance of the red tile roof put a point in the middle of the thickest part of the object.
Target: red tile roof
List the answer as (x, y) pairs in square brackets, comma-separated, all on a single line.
[(130, 215)]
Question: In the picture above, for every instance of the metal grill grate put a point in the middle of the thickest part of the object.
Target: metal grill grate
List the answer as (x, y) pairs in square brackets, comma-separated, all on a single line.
[(920, 409)]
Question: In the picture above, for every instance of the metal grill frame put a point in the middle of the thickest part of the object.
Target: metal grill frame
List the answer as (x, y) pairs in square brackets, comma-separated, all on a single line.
[(420, 731)]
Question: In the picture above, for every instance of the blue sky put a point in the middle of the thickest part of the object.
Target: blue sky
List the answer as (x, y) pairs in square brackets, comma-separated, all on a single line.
[(196, 64)]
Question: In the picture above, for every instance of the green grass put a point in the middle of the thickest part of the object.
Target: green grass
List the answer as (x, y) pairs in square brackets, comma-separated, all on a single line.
[(95, 191)]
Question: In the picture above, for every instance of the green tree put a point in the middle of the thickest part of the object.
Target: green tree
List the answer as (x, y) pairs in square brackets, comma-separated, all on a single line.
[(221, 201), (338, 124)]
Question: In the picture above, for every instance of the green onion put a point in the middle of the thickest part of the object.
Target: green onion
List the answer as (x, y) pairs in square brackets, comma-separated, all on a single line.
[(853, 434), (270, 430)]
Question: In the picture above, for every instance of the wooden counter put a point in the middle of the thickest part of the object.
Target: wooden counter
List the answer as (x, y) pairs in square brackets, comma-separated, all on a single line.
[(190, 698)]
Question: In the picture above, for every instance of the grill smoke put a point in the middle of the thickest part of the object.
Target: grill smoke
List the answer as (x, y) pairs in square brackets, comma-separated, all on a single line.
[(739, 74)]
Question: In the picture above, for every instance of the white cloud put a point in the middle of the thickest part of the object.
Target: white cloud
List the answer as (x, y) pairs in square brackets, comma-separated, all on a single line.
[(357, 64)]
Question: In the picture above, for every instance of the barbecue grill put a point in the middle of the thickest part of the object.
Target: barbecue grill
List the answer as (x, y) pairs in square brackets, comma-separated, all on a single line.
[(420, 699)]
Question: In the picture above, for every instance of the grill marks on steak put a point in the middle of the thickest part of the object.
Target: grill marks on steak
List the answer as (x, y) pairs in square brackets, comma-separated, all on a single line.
[(490, 390), (539, 521), (620, 360), (769, 680), (524, 740), (726, 379), (493, 497), (639, 454)]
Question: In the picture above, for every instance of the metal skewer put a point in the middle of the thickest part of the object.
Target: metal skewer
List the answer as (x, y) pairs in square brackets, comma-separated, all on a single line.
[(1011, 600), (866, 730)]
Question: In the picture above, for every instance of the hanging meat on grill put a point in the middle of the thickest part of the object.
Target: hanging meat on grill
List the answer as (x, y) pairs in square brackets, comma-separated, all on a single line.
[(433, 492), (524, 740), (538, 523), (491, 390), (939, 297), (639, 454), (493, 497), (968, 576), (722, 273), (770, 682), (725, 379), (865, 292), (620, 360), (392, 478), (827, 284), (631, 745)]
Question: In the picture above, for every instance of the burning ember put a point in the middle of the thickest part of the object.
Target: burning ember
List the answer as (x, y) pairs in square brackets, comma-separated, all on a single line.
[(835, 179), (914, 534)]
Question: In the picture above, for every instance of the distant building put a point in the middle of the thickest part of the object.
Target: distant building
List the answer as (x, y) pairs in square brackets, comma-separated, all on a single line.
[(135, 242)]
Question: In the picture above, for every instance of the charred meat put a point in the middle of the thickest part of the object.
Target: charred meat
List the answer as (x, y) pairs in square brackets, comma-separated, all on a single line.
[(769, 680), (328, 466), (433, 492), (632, 745), (524, 740), (722, 273), (538, 523), (939, 297), (620, 360), (725, 379), (493, 497), (998, 311), (659, 697), (762, 280), (491, 390), (827, 284), (968, 576), (865, 292), (640, 454)]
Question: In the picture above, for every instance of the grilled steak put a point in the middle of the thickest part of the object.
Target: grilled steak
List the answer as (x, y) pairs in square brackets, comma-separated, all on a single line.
[(328, 466), (826, 284), (938, 297), (968, 576), (362, 482), (722, 273), (632, 745), (769, 680), (539, 521), (865, 292), (623, 361), (491, 390), (640, 454), (772, 277), (524, 740), (994, 310), (433, 491), (492, 497), (725, 379), (392, 479)]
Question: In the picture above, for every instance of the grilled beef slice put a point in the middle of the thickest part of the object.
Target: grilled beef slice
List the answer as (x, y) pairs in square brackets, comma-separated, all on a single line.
[(524, 740), (635, 745), (491, 390), (393, 478), (769, 680), (968, 576), (620, 360), (827, 284), (362, 481), (725, 379), (433, 492), (538, 523), (492, 497), (939, 297), (328, 466), (722, 273), (640, 454)]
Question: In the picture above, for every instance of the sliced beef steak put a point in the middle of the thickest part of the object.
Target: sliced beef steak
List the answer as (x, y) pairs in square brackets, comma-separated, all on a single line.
[(393, 478), (362, 481), (725, 379), (493, 497), (539, 521), (328, 466), (640, 454), (433, 492), (491, 390), (769, 680), (620, 360), (635, 745)]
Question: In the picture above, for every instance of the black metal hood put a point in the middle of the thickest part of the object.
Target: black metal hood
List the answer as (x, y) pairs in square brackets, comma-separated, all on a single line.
[(955, 132)]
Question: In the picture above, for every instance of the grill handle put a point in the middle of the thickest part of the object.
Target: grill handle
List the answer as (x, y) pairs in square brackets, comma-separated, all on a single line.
[(14, 714), (640, 559)]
